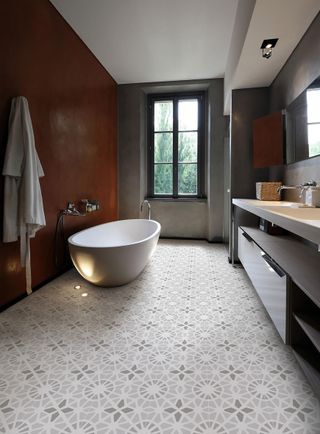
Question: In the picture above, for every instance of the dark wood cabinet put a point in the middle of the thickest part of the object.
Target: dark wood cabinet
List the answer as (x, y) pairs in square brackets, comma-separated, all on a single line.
[(291, 298), (268, 140)]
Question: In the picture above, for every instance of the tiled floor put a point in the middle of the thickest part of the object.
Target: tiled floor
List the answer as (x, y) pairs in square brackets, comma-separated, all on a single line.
[(186, 348)]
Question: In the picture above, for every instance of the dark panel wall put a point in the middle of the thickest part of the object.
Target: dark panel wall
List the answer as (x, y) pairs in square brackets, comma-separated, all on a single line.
[(247, 105), (301, 69), (73, 104)]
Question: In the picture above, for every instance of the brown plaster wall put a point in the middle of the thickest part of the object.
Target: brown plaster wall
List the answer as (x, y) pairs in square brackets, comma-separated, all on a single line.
[(73, 106)]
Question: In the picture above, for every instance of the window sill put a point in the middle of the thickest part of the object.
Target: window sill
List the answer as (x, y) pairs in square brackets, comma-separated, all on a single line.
[(177, 199)]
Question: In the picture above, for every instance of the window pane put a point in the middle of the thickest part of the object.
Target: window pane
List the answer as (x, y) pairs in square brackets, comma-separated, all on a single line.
[(163, 148), (313, 104), (163, 179), (163, 115), (188, 147), (187, 178), (188, 114), (314, 139)]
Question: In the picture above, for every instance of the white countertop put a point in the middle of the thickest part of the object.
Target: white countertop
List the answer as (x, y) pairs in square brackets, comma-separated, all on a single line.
[(304, 222)]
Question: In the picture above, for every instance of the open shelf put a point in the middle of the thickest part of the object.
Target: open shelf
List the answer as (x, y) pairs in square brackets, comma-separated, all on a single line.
[(311, 327), (309, 361), (300, 261)]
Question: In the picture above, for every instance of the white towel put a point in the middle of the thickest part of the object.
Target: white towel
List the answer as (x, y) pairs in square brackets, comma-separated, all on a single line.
[(23, 205)]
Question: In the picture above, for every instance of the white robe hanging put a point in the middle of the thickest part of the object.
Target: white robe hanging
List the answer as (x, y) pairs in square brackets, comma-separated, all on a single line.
[(23, 205)]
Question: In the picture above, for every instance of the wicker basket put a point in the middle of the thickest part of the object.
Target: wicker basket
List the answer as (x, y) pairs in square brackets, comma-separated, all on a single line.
[(268, 190)]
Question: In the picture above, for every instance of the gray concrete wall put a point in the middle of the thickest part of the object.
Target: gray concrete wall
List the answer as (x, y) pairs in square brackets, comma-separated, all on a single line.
[(192, 218), (181, 219), (130, 170), (215, 161), (301, 69), (227, 182)]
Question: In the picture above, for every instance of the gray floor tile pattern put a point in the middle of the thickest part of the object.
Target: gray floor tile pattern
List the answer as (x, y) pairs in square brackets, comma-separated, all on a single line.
[(187, 348)]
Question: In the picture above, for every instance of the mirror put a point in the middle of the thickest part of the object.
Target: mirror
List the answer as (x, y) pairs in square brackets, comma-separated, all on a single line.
[(303, 125)]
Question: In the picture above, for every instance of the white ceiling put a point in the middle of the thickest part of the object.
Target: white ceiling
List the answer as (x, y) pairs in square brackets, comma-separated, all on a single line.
[(284, 19), (287, 20), (165, 40), (154, 40)]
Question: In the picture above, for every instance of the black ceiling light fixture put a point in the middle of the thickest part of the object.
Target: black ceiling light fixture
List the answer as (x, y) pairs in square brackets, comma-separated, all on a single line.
[(266, 47)]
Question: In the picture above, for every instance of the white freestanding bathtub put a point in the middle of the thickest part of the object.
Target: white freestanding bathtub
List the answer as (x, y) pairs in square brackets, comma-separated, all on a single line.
[(115, 253)]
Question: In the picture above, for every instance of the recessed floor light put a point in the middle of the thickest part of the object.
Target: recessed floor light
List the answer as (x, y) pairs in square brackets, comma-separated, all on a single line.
[(77, 286), (84, 294)]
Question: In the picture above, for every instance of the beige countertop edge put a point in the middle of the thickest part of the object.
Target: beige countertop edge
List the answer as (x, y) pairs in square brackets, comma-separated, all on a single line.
[(300, 227)]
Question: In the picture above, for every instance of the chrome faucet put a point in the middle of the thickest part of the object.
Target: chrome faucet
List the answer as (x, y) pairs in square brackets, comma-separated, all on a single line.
[(71, 210), (149, 207), (302, 187), (306, 187)]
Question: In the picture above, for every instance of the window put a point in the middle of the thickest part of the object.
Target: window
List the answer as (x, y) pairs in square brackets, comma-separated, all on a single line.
[(176, 145)]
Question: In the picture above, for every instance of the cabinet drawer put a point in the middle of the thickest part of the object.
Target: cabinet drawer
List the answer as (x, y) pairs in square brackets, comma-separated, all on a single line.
[(268, 279)]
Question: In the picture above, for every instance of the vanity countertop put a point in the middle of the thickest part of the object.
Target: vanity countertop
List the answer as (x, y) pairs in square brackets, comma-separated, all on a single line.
[(304, 222)]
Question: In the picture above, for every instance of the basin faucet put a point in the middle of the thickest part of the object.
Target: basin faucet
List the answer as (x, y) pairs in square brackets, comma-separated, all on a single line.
[(302, 187), (287, 187), (306, 187), (149, 207)]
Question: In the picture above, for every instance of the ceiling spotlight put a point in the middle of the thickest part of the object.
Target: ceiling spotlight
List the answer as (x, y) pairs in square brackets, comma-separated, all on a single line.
[(266, 47), (77, 287)]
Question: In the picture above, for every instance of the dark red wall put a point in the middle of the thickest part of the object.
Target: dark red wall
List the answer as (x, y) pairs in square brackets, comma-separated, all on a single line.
[(268, 140), (73, 106)]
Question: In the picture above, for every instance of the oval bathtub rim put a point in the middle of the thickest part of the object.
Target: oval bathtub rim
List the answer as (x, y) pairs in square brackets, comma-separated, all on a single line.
[(155, 233)]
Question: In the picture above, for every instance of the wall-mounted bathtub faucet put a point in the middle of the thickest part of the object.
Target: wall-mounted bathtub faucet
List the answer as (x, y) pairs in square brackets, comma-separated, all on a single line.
[(71, 210), (149, 208)]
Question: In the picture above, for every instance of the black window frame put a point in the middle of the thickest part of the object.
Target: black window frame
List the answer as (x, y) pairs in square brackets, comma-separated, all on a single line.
[(175, 97)]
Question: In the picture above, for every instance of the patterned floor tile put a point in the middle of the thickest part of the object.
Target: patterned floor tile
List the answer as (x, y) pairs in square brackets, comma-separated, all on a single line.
[(187, 348)]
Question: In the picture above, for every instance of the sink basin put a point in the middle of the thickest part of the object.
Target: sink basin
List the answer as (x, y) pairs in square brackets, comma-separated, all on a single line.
[(296, 213), (274, 203)]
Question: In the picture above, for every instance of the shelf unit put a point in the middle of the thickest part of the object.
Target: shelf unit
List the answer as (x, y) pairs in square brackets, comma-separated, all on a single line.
[(309, 362), (301, 262), (311, 326)]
